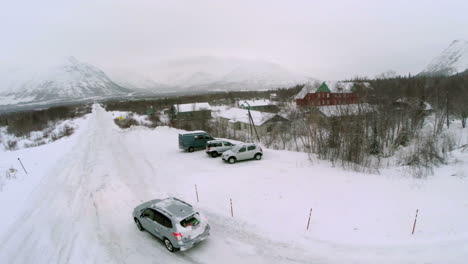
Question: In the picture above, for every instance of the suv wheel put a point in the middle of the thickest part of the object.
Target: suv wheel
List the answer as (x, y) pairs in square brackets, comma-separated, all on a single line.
[(214, 154), (258, 156), (140, 227), (191, 149), (169, 245), (232, 160)]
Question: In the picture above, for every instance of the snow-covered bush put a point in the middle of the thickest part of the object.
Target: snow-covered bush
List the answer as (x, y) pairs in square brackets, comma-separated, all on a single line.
[(128, 119), (52, 132)]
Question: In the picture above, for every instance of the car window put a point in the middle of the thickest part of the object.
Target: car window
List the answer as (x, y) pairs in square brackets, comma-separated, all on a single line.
[(199, 137), (148, 213), (242, 149), (162, 219), (190, 221), (251, 148), (227, 144)]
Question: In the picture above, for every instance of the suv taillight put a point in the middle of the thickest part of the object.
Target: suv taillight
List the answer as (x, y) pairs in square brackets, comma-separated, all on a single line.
[(261, 150), (177, 236), (209, 147)]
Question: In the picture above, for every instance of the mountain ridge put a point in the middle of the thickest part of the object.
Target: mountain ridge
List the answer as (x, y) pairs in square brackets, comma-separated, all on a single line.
[(452, 60)]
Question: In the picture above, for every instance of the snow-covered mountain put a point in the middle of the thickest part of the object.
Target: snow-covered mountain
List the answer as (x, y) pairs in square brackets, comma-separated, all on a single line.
[(215, 73), (452, 60), (134, 80), (71, 80)]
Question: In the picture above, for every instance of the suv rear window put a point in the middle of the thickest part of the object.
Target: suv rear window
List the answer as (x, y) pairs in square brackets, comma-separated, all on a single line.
[(190, 221), (251, 148), (212, 145)]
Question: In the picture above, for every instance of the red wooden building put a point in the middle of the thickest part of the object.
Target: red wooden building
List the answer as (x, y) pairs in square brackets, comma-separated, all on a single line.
[(343, 93)]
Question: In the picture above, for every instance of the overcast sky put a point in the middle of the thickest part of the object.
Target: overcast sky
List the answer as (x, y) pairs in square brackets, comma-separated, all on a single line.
[(325, 39)]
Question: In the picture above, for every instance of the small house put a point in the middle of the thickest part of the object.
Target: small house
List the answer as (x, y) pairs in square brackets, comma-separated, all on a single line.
[(262, 105), (329, 93), (340, 111), (411, 103), (191, 111), (238, 119)]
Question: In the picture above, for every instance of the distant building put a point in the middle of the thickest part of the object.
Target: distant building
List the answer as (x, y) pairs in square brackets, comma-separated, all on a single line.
[(339, 111), (411, 103), (273, 96), (333, 93), (238, 119), (192, 111), (263, 105)]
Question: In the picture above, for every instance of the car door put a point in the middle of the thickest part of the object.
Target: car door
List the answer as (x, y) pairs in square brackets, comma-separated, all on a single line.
[(199, 141), (242, 153), (163, 224), (148, 222), (250, 152)]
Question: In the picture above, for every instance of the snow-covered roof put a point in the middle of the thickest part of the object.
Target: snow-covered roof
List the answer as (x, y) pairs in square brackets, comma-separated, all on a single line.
[(345, 110), (192, 107), (260, 102), (242, 115), (335, 87), (414, 102)]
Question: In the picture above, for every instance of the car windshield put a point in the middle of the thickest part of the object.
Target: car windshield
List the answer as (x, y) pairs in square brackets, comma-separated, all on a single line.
[(190, 221)]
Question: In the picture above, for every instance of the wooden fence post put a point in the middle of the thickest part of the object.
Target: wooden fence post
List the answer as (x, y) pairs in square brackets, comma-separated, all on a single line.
[(308, 222), (232, 211), (415, 218), (22, 165)]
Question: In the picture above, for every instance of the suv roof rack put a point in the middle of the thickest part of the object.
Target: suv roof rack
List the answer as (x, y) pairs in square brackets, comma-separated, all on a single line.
[(173, 198)]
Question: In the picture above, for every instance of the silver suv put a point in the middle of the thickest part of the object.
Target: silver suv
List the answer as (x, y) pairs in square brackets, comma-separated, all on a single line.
[(218, 146), (243, 151), (173, 221)]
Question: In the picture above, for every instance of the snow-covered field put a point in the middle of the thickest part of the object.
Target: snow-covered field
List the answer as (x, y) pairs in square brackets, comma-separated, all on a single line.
[(75, 204)]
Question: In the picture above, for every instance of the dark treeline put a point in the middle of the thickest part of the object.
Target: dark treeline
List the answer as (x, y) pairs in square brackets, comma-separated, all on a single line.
[(448, 93), (22, 123)]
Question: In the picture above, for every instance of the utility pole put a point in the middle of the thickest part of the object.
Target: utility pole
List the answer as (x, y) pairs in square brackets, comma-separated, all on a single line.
[(251, 121)]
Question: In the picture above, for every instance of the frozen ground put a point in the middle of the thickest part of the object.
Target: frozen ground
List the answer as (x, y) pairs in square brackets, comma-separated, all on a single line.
[(75, 204)]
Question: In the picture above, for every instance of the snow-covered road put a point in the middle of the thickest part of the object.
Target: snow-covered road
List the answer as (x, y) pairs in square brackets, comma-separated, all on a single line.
[(75, 206), (81, 212)]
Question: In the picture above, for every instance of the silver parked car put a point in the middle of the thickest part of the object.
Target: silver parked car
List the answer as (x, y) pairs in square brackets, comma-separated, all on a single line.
[(218, 146), (243, 151), (173, 221)]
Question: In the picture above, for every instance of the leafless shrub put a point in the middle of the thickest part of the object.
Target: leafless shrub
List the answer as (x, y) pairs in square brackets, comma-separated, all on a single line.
[(126, 122), (12, 145)]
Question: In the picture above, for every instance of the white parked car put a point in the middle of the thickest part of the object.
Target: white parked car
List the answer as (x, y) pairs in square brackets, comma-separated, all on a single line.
[(244, 151), (217, 147)]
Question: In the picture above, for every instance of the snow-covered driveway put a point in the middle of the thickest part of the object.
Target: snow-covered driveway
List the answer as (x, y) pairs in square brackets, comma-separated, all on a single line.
[(80, 211)]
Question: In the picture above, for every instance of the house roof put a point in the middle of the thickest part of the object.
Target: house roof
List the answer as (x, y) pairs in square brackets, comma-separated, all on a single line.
[(414, 102), (323, 88), (333, 87), (192, 107), (241, 115), (345, 110), (261, 102)]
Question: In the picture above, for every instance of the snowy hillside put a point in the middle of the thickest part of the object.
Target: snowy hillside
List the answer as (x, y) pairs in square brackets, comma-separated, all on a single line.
[(75, 204), (134, 80), (213, 73), (452, 60), (70, 81)]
